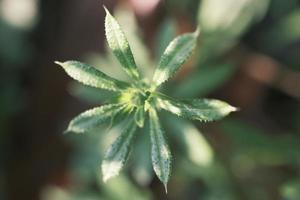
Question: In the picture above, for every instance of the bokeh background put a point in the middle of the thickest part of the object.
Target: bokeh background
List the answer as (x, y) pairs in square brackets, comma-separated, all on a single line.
[(248, 54)]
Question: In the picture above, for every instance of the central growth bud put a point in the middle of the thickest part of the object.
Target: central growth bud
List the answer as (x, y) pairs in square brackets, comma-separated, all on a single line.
[(135, 97)]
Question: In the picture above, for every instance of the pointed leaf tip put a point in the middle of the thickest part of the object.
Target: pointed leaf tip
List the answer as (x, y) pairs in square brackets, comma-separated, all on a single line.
[(91, 76), (119, 45), (58, 62), (235, 109), (160, 152), (106, 10), (166, 188), (197, 31)]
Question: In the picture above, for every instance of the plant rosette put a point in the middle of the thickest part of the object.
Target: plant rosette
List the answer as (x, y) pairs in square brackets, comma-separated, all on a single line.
[(139, 99)]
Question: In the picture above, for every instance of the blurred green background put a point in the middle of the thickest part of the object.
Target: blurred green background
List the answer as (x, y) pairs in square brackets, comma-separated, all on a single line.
[(248, 55)]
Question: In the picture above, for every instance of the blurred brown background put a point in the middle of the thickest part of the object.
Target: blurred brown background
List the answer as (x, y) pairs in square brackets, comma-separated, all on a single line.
[(260, 39)]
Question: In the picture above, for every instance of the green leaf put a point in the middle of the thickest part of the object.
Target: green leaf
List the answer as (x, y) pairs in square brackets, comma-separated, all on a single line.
[(108, 64), (197, 109), (166, 33), (142, 166), (250, 140), (177, 52), (88, 94), (160, 152), (90, 76), (231, 22), (191, 141), (123, 187), (211, 77), (139, 116), (222, 25), (290, 189), (94, 117), (117, 154), (120, 47), (288, 30), (129, 24)]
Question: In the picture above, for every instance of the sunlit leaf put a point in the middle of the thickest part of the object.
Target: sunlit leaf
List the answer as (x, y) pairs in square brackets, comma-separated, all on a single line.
[(160, 152), (129, 24), (177, 52), (90, 76), (198, 149), (191, 141), (57, 193), (230, 16), (291, 190), (94, 117), (120, 47), (117, 154), (196, 109), (122, 187), (131, 102), (223, 22)]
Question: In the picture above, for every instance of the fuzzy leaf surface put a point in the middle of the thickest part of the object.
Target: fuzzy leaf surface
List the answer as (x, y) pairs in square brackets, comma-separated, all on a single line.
[(177, 52), (94, 117), (90, 76), (160, 152), (117, 154), (119, 45), (196, 109)]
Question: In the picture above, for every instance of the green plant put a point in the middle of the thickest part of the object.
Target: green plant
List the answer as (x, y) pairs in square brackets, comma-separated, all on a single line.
[(138, 99)]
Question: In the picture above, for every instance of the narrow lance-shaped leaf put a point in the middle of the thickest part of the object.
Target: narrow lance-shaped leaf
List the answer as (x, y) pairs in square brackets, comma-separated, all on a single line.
[(91, 76), (142, 55), (94, 117), (117, 154), (120, 47), (197, 109), (139, 116), (160, 152), (177, 52)]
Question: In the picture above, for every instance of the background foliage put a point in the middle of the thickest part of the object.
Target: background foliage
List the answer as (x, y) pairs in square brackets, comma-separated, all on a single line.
[(248, 55)]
